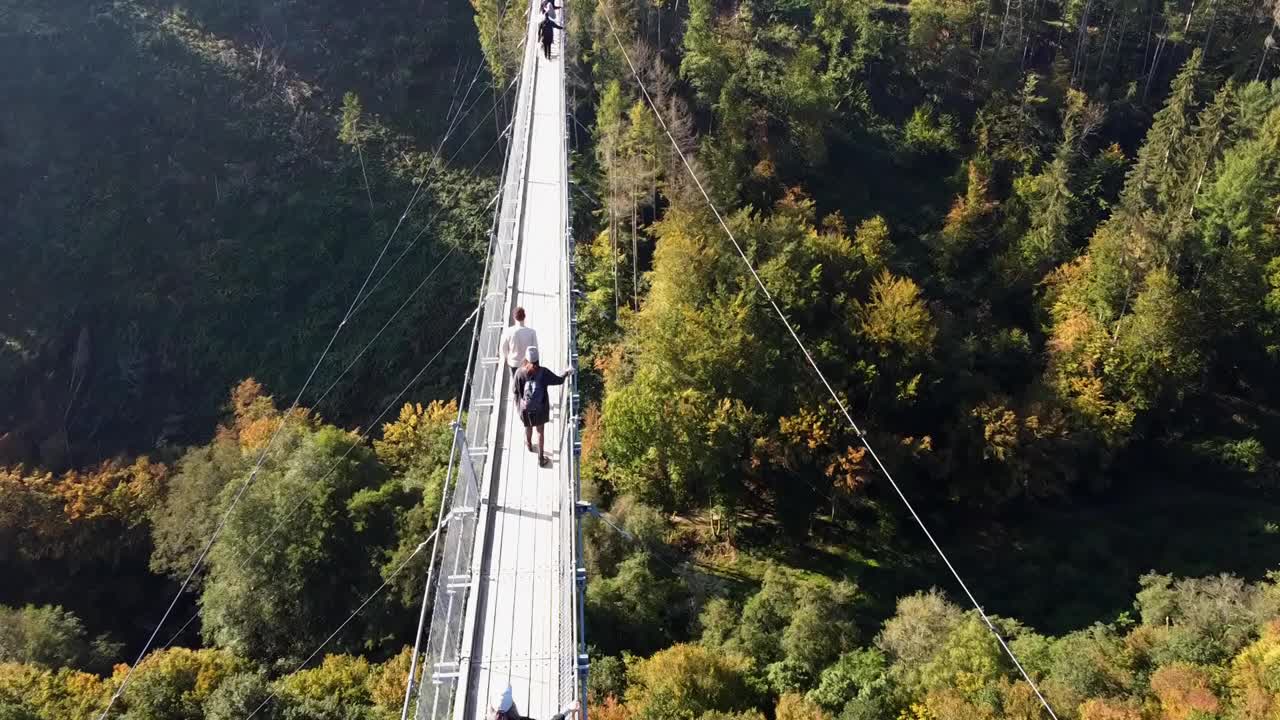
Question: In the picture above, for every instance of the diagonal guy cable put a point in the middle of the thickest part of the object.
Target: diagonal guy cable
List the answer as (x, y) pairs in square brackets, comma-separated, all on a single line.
[(351, 617), (334, 384), (262, 456), (359, 306), (333, 466), (356, 302), (280, 523), (813, 364), (430, 220)]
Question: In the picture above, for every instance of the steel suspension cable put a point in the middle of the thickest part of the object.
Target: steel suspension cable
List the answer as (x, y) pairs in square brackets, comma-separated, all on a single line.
[(257, 467), (367, 345), (274, 694), (453, 97), (368, 191), (384, 327), (434, 158), (253, 553), (416, 290), (292, 511), (395, 263), (821, 376), (356, 303), (458, 448), (455, 120)]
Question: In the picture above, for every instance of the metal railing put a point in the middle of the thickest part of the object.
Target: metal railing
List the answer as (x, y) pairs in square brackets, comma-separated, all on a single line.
[(453, 588), (453, 610), (447, 662), (572, 642)]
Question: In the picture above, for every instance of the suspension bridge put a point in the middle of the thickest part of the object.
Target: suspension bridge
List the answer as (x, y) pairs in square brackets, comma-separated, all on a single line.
[(503, 602), (505, 588)]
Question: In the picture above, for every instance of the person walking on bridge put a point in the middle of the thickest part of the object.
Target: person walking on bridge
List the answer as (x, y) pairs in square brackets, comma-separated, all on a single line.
[(549, 8), (503, 708), (535, 406), (516, 339), (547, 32)]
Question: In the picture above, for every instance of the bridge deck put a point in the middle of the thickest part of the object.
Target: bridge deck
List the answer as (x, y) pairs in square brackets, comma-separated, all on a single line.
[(518, 620)]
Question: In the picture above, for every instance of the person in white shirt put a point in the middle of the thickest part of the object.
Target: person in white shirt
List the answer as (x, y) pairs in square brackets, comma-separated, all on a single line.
[(516, 341)]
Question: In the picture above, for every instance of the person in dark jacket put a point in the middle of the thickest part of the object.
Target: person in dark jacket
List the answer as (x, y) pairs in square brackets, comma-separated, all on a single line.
[(549, 8), (530, 387), (546, 31)]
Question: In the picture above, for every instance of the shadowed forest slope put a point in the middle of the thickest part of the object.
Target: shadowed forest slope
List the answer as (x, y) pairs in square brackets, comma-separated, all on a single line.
[(181, 212)]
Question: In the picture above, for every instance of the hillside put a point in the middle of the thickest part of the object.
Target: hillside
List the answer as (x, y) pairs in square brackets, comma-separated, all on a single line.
[(181, 212), (1033, 248)]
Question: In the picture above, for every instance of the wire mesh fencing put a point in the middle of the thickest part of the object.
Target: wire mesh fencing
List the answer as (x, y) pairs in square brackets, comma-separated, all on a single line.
[(571, 643), (446, 652)]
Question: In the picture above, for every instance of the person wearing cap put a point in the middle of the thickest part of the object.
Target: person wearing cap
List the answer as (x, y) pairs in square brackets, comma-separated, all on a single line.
[(502, 708), (516, 339), (530, 389)]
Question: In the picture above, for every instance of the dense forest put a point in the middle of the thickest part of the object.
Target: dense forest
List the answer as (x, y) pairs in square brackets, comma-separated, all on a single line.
[(183, 211), (1034, 245), (1034, 250)]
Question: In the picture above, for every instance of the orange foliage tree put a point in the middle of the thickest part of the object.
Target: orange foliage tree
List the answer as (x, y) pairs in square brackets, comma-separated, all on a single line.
[(1110, 709), (1184, 690)]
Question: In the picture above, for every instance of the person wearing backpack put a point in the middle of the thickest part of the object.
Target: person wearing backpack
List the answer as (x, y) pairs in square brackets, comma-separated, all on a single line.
[(530, 388), (502, 708)]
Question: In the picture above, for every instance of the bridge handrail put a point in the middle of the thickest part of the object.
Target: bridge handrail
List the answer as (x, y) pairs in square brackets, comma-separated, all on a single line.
[(452, 626), (572, 651)]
